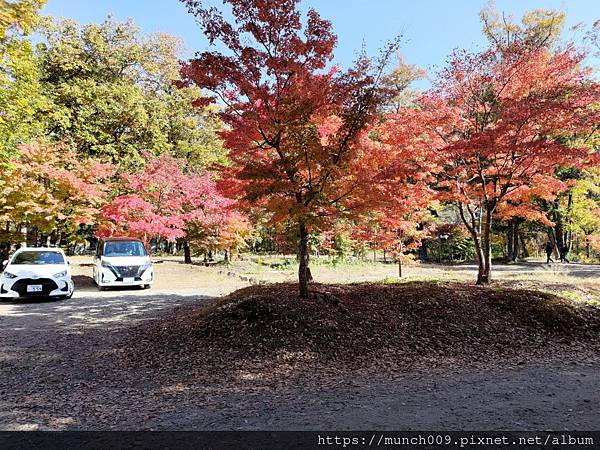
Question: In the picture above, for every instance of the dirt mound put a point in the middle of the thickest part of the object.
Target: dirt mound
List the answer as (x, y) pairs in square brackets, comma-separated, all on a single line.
[(371, 324)]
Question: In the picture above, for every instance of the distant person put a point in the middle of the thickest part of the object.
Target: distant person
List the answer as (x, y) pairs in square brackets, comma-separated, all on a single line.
[(549, 250), (564, 251)]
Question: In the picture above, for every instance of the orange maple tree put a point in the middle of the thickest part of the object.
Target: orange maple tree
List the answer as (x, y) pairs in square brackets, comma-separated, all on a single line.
[(492, 132), (52, 189)]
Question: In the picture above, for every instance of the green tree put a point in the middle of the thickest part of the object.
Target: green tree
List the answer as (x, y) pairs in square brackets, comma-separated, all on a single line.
[(399, 81), (538, 28), (582, 215), (21, 93), (18, 16), (113, 94)]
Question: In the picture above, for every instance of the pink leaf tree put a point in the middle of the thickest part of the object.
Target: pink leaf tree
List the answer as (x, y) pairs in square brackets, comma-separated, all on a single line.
[(162, 201)]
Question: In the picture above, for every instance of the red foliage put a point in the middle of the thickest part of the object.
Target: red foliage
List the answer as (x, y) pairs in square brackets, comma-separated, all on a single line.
[(493, 131), (163, 200), (293, 128)]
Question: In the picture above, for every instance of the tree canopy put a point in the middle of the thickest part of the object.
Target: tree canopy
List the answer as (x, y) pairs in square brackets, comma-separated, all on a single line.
[(294, 126), (262, 141), (112, 94)]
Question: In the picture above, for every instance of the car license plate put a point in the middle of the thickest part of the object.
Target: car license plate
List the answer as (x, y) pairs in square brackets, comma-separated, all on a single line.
[(34, 288), (128, 280)]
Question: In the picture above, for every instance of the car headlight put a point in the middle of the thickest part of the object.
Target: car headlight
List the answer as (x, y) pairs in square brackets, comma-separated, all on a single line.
[(144, 267), (60, 274), (106, 264), (9, 275)]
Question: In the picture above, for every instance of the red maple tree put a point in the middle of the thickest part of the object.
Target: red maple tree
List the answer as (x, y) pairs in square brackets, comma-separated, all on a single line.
[(492, 131), (293, 124)]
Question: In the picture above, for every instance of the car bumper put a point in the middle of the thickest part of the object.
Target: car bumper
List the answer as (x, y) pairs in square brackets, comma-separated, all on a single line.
[(65, 288), (123, 283), (108, 278)]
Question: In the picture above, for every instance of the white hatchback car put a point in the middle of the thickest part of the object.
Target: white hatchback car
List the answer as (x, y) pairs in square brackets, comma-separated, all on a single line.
[(122, 262), (36, 272)]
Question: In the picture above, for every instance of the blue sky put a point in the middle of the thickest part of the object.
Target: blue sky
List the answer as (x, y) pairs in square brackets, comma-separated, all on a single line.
[(431, 29)]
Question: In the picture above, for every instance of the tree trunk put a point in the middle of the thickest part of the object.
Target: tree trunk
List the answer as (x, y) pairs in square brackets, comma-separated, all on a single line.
[(24, 232), (559, 232), (187, 254), (515, 240), (587, 248), (510, 256), (478, 252), (481, 234), (401, 236), (484, 275), (553, 240), (569, 233), (303, 270), (524, 251)]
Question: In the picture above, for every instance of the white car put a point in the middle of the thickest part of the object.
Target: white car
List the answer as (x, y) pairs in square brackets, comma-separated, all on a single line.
[(122, 262), (36, 272)]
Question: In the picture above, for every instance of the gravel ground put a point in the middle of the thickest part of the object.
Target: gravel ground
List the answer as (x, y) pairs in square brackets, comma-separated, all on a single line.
[(171, 277), (60, 371)]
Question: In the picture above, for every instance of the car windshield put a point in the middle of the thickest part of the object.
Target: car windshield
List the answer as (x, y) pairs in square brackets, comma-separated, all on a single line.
[(33, 257), (124, 248)]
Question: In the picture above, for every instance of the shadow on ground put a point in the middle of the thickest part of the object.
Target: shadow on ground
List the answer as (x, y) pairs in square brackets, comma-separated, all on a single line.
[(116, 310)]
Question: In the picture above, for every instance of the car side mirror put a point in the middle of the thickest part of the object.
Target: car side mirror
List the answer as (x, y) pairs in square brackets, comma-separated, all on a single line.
[(4, 263)]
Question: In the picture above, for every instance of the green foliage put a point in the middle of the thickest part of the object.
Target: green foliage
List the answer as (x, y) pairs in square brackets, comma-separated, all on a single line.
[(22, 100), (498, 250), (341, 246), (540, 27), (391, 280), (18, 16), (456, 245), (399, 81), (582, 213), (21, 95), (113, 95)]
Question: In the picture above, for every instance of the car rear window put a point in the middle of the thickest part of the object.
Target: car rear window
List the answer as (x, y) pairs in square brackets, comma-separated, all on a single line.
[(38, 258), (124, 248)]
